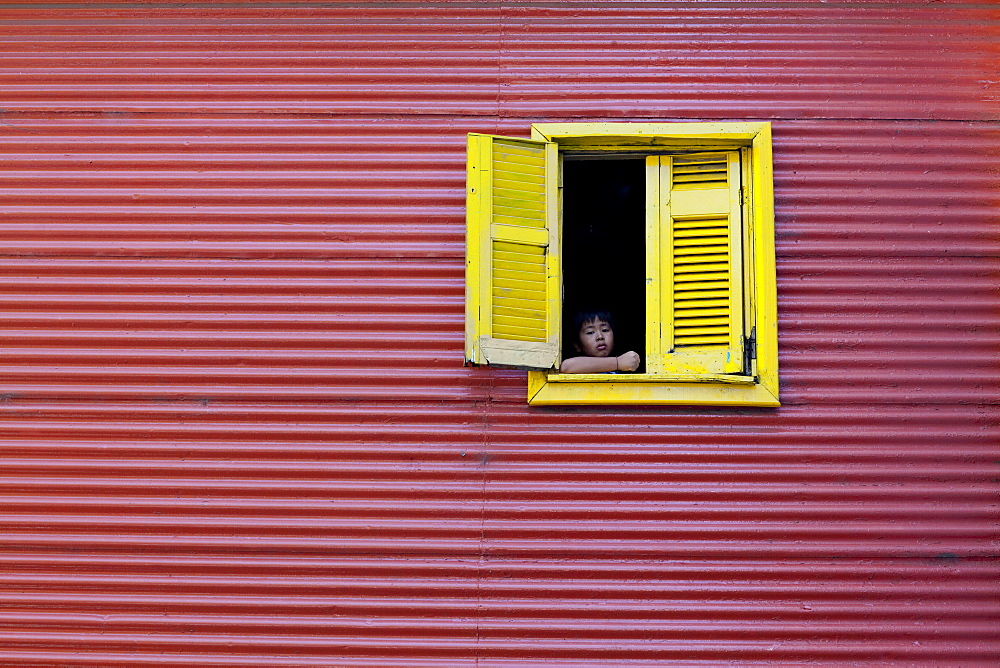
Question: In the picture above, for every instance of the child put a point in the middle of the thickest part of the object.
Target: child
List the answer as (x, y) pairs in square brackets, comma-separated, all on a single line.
[(595, 340)]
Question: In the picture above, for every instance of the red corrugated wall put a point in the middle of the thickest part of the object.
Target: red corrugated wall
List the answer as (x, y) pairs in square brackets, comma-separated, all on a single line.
[(235, 428)]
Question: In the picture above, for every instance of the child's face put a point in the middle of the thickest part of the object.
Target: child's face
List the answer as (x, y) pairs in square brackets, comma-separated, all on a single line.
[(596, 338)]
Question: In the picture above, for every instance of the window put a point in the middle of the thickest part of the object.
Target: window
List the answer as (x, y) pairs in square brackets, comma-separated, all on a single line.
[(679, 219)]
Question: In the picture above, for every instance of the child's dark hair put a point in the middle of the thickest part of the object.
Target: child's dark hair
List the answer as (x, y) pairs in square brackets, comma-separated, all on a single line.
[(583, 317)]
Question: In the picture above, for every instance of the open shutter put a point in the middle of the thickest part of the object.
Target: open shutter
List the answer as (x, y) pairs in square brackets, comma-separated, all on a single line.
[(700, 264), (512, 265)]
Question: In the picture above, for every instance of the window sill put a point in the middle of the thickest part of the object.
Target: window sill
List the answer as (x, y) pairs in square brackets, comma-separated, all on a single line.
[(553, 389), (647, 378)]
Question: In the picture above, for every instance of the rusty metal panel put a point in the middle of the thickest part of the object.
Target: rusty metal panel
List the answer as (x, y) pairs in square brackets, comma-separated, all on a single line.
[(195, 266), (811, 59), (289, 534), (234, 424)]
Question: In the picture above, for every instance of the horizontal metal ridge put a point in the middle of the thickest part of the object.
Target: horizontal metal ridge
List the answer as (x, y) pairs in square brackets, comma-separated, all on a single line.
[(235, 428)]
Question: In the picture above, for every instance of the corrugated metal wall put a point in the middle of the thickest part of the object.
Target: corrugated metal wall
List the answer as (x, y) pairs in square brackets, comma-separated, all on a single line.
[(235, 425)]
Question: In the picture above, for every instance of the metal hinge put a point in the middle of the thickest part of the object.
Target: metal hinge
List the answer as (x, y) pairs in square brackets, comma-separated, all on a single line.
[(749, 352), (750, 345)]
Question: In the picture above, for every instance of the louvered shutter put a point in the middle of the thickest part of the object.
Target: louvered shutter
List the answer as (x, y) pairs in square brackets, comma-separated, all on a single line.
[(512, 270), (700, 264)]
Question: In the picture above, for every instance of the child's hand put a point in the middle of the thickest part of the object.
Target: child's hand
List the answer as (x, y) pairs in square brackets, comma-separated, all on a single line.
[(628, 361)]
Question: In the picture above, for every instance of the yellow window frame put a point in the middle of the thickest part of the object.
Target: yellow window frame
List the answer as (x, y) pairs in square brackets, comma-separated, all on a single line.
[(759, 294)]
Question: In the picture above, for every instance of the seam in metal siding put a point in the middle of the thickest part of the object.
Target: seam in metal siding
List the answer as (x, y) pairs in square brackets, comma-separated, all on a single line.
[(234, 424)]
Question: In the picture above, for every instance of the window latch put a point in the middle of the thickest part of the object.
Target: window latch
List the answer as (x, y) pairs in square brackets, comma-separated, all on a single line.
[(749, 352)]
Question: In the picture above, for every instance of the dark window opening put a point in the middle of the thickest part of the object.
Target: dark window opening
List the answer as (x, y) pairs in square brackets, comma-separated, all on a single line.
[(604, 247)]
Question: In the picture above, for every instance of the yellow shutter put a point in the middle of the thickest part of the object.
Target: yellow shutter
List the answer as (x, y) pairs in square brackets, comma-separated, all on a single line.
[(512, 265), (699, 263)]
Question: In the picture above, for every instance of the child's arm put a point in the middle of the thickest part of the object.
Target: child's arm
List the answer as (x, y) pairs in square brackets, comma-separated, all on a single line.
[(626, 362)]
